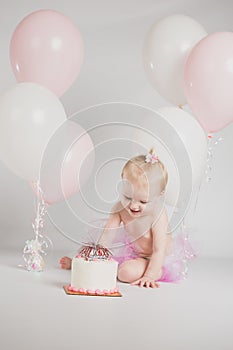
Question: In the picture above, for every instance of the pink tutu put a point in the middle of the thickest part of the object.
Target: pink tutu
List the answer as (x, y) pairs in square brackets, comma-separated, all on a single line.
[(175, 267)]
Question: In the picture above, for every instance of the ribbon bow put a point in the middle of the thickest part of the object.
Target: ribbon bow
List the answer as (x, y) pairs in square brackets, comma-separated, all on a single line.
[(151, 157)]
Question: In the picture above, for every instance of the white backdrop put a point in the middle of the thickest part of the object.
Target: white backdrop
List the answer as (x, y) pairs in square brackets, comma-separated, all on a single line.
[(113, 33)]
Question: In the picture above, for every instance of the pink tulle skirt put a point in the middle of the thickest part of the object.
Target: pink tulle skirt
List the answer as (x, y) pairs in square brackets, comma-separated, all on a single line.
[(175, 266)]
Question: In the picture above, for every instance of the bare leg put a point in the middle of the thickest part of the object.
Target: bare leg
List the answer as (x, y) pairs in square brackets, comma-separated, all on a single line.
[(131, 270), (65, 263)]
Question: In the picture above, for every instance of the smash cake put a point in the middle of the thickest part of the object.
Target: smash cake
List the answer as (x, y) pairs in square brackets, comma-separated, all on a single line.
[(93, 272)]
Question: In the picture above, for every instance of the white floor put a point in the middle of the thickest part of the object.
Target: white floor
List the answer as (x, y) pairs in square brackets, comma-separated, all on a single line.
[(37, 314)]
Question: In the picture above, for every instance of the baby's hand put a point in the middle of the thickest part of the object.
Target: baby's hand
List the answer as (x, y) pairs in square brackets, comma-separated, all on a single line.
[(147, 282)]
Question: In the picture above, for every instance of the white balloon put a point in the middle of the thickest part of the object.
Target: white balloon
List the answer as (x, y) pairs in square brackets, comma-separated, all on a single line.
[(29, 115), (167, 45), (194, 142), (192, 135)]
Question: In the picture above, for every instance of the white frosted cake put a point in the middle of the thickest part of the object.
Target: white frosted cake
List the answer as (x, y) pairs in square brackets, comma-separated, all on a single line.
[(94, 274)]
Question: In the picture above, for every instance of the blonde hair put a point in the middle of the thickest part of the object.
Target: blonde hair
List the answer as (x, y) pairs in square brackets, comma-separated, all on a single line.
[(137, 167)]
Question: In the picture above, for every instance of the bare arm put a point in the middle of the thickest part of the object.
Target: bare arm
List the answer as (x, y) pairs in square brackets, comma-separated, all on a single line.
[(152, 273), (159, 232), (109, 232)]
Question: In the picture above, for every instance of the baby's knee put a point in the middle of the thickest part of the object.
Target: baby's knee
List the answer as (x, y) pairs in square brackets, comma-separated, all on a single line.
[(123, 274), (126, 273)]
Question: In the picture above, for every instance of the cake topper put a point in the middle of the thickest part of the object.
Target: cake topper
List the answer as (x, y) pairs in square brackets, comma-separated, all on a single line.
[(93, 251)]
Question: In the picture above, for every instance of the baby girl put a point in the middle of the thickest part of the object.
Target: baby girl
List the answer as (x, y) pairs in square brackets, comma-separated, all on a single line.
[(145, 222)]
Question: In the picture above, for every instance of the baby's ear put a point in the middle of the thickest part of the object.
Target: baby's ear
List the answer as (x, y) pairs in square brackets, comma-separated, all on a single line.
[(161, 193)]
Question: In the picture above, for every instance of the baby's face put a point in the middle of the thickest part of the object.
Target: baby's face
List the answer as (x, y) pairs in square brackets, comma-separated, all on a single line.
[(137, 198)]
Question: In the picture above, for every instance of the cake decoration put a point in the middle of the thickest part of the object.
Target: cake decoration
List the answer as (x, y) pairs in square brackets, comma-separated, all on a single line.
[(87, 292), (93, 251)]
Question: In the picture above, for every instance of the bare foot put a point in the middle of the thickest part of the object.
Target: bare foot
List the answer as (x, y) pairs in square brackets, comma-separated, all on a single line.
[(65, 263)]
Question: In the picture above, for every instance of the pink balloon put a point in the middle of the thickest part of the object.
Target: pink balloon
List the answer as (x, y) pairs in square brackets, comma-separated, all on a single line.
[(67, 163), (47, 48), (208, 79)]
